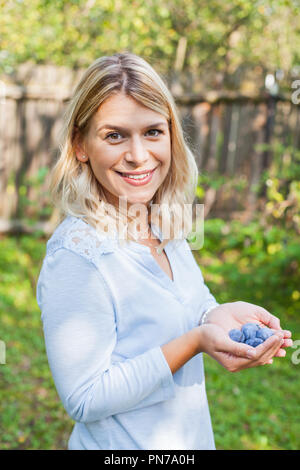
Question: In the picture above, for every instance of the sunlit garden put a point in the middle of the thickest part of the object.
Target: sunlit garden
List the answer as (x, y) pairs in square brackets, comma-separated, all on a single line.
[(251, 249)]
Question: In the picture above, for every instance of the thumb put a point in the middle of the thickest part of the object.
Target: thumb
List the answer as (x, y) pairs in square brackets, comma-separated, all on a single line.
[(239, 349)]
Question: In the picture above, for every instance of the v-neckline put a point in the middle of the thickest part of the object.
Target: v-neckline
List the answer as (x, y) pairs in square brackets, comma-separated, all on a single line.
[(163, 276), (161, 271)]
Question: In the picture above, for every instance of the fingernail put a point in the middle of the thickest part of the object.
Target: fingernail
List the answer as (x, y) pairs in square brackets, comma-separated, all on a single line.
[(251, 354)]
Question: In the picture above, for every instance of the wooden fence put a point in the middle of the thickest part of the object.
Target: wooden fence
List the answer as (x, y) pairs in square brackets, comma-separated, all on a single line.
[(223, 130)]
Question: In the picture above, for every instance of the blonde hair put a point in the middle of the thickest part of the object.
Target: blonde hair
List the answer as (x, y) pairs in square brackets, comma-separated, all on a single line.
[(73, 187)]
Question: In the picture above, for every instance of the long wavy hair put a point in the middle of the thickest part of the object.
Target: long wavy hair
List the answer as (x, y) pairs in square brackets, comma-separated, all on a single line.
[(74, 188)]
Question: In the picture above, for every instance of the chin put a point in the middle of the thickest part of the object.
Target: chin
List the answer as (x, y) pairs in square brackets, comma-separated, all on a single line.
[(139, 201), (139, 198)]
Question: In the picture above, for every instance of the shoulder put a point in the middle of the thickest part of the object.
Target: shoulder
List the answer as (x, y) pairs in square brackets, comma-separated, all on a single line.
[(74, 253), (77, 236)]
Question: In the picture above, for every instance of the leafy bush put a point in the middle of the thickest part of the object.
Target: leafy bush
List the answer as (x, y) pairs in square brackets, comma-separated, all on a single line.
[(260, 261)]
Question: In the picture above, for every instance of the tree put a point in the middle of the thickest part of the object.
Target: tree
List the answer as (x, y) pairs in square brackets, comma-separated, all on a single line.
[(232, 38)]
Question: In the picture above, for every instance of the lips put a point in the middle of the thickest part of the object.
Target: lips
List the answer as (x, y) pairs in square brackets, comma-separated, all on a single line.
[(135, 174), (137, 182)]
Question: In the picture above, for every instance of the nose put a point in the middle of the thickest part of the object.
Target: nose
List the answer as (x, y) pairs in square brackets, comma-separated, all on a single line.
[(137, 153)]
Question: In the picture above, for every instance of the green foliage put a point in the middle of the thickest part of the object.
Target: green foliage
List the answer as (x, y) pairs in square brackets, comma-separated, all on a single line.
[(259, 260), (223, 36), (281, 207), (252, 263), (31, 416), (34, 204), (255, 409)]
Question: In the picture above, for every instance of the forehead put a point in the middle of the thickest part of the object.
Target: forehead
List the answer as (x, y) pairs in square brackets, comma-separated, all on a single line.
[(124, 110)]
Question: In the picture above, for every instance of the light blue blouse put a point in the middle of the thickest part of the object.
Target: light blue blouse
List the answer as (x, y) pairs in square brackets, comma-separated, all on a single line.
[(106, 311)]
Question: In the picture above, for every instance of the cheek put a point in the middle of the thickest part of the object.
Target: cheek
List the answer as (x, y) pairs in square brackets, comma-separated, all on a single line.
[(99, 169), (168, 149), (167, 154), (163, 151), (104, 157)]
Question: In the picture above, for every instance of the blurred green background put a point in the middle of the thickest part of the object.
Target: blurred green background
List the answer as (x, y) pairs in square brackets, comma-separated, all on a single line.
[(197, 46)]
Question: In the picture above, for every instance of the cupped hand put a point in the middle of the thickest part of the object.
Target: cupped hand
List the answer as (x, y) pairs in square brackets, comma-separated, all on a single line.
[(235, 314), (236, 356)]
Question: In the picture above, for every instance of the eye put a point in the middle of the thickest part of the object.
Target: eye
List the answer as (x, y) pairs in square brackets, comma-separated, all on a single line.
[(113, 135), (155, 130)]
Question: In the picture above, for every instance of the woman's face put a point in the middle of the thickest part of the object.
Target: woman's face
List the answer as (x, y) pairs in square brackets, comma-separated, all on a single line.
[(127, 137)]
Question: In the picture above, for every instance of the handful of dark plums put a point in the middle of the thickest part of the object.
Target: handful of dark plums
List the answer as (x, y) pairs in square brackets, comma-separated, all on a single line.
[(251, 334)]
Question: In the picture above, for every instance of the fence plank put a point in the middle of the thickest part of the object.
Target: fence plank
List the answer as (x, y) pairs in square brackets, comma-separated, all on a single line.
[(222, 127)]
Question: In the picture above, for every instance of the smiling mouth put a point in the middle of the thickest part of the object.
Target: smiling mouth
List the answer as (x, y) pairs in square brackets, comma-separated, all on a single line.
[(137, 180), (135, 175)]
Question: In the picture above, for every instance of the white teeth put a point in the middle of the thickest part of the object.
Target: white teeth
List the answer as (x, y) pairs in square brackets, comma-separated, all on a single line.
[(139, 177)]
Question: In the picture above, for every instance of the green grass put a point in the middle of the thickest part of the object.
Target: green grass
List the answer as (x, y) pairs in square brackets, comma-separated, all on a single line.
[(252, 409), (32, 416), (255, 408)]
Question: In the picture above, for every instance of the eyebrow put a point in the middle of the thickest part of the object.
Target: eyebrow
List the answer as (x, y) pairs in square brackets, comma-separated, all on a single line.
[(123, 129)]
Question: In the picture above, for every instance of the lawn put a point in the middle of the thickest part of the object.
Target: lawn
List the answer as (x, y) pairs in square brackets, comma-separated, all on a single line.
[(252, 409)]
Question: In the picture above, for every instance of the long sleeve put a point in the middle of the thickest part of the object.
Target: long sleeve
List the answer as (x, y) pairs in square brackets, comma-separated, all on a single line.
[(79, 325)]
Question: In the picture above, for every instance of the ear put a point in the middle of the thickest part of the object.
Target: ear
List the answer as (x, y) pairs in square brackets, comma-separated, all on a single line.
[(78, 146)]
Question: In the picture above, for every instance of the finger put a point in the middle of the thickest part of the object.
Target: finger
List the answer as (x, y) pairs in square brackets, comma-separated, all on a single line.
[(287, 333), (286, 343), (241, 350), (268, 319), (279, 334), (269, 348), (280, 353), (231, 362)]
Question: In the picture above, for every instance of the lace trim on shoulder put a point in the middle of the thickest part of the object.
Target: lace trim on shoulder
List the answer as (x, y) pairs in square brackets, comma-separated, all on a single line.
[(81, 238)]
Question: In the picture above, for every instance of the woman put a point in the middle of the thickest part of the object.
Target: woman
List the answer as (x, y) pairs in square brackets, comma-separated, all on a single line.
[(125, 324)]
